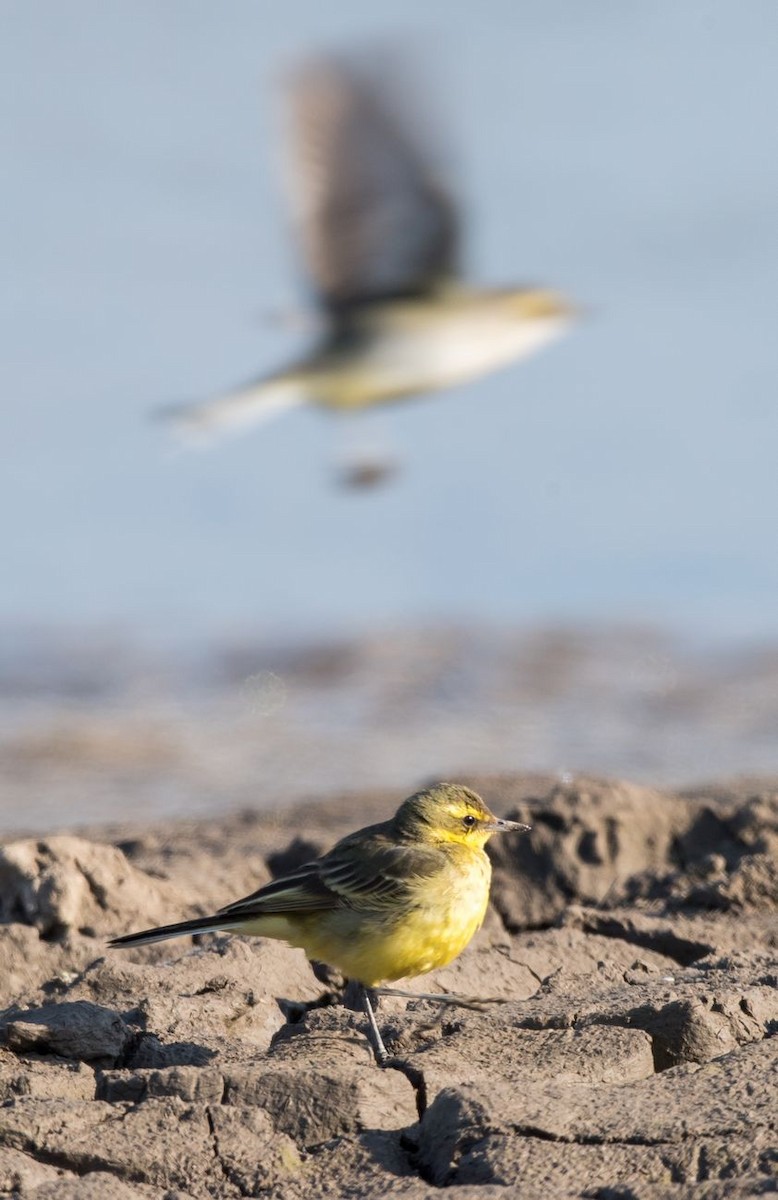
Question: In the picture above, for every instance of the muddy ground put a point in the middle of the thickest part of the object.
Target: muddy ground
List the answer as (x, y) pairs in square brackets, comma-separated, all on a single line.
[(632, 946), (97, 726)]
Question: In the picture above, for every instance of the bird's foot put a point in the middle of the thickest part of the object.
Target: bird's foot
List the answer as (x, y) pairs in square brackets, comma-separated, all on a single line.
[(453, 999)]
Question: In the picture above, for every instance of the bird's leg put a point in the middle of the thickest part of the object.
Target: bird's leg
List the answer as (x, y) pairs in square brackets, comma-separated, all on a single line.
[(379, 1049), (362, 464), (383, 1058)]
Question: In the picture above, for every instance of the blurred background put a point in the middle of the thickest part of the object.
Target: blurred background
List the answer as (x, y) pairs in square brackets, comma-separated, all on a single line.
[(575, 566)]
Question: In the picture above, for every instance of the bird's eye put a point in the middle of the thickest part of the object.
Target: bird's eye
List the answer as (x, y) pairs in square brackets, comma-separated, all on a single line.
[(469, 821)]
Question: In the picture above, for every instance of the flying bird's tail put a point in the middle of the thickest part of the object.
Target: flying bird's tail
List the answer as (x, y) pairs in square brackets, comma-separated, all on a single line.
[(204, 421)]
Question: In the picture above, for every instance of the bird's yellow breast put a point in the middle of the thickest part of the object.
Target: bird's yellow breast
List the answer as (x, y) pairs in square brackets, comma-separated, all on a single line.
[(377, 946)]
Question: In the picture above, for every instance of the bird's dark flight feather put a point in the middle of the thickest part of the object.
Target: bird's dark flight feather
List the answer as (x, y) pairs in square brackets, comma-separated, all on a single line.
[(375, 218)]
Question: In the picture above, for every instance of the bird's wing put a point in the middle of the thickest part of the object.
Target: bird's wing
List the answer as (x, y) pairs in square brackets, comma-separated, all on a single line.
[(374, 215), (302, 890), (377, 872), (360, 872)]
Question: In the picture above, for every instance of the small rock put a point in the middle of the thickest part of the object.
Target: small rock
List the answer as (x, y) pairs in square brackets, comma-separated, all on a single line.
[(199, 1085), (315, 1103), (78, 1030), (66, 883), (19, 1173), (43, 1078), (96, 1185)]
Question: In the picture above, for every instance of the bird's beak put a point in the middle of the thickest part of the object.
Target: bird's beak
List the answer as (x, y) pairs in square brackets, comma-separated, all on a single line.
[(498, 825)]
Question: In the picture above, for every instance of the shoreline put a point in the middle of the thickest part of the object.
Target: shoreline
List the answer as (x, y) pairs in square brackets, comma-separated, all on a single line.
[(87, 738)]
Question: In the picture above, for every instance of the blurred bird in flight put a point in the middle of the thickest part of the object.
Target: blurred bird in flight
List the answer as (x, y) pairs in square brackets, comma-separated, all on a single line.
[(379, 232)]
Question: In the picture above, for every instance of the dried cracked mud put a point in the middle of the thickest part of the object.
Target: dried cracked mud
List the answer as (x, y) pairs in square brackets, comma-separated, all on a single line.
[(631, 951)]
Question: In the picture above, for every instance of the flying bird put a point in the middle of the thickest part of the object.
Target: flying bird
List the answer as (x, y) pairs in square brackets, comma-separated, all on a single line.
[(379, 231)]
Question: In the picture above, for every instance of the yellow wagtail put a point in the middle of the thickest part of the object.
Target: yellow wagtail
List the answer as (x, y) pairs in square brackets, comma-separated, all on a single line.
[(390, 900), (379, 231)]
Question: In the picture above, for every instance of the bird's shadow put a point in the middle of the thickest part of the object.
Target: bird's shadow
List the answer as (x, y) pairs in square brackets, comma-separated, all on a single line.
[(147, 1051), (295, 1011)]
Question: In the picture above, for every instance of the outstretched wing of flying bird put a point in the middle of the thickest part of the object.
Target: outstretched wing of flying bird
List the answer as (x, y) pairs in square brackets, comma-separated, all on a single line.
[(374, 216)]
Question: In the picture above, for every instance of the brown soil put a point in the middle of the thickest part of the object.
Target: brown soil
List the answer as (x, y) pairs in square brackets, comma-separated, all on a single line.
[(633, 944)]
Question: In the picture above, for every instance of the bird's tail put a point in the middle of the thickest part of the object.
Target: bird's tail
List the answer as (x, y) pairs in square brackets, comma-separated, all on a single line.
[(163, 932), (204, 421)]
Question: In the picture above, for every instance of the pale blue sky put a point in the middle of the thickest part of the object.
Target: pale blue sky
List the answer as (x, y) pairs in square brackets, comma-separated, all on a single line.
[(624, 152)]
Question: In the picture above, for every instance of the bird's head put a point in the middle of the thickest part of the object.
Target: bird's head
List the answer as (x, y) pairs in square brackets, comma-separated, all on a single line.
[(449, 812), (539, 305)]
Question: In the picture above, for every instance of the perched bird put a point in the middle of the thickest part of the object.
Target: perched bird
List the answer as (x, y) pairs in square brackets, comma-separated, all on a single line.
[(379, 232), (390, 900)]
